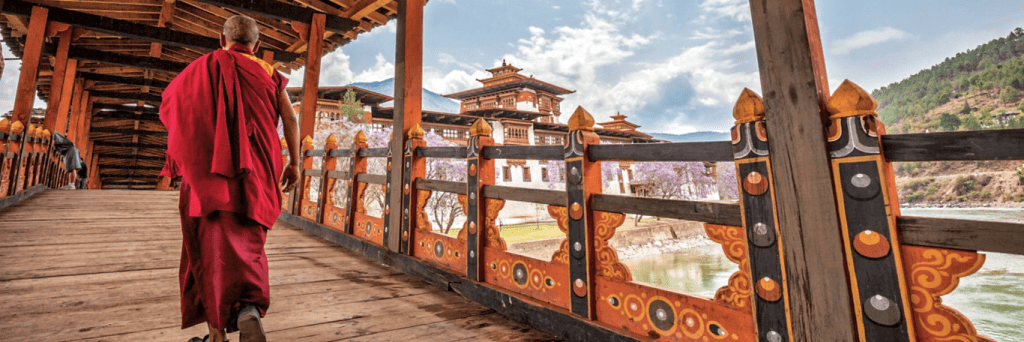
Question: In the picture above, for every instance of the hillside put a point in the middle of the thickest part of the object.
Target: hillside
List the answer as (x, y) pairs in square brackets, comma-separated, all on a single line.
[(970, 87), (694, 136), (431, 101), (969, 91)]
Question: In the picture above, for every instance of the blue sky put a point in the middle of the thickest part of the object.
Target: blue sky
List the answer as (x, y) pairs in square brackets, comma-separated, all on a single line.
[(671, 66)]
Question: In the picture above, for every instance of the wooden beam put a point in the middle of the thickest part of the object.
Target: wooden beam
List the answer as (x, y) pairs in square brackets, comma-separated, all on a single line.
[(129, 109), (128, 29), (311, 82), (130, 145), (808, 219), (408, 95), (127, 116), (127, 96), (286, 12), (126, 60), (142, 82), (57, 82), (125, 167), (128, 131), (66, 96), (125, 156), (26, 93)]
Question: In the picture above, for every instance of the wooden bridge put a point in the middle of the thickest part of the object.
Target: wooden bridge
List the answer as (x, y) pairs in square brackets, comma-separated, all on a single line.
[(822, 251)]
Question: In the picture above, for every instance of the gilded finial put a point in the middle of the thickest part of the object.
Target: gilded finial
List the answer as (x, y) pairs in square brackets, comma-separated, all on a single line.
[(480, 128), (850, 100), (47, 134), (284, 142), (581, 120), (31, 130), (5, 125), (332, 140), (360, 137), (307, 141), (17, 127), (749, 107), (416, 132), (39, 131)]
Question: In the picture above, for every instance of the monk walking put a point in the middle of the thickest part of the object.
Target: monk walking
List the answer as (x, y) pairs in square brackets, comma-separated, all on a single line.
[(221, 115)]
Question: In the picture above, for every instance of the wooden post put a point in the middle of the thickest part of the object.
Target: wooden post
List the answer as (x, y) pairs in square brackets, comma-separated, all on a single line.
[(479, 172), (67, 94), (808, 221), (16, 144), (26, 93), (415, 168), (94, 174), (59, 72), (328, 164), (389, 174), (6, 158), (757, 205), (311, 82), (302, 190), (287, 203), (875, 266), (582, 180), (408, 92), (357, 165)]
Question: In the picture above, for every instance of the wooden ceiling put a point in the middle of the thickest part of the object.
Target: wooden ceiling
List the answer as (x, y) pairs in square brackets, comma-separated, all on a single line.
[(129, 50)]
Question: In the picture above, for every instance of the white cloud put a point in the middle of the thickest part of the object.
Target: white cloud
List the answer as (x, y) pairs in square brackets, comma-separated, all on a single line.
[(738, 10), (382, 70), (556, 7), (867, 38), (712, 33), (454, 81)]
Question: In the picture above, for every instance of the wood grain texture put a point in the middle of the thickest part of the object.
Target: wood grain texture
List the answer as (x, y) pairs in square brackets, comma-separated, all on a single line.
[(805, 199), (721, 213), (103, 266), (454, 152), (714, 151), (373, 152), (536, 152), (508, 193), (1003, 144), (982, 236), (440, 185), (371, 178)]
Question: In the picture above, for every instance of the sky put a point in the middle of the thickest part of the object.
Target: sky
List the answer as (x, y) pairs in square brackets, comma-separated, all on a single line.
[(671, 66)]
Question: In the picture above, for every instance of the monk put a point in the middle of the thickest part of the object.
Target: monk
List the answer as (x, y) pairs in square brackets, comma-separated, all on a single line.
[(221, 115)]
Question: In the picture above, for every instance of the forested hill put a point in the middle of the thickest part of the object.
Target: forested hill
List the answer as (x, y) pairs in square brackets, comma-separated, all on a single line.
[(962, 92)]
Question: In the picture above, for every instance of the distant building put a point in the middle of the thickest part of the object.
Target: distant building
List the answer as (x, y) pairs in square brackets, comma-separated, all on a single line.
[(1004, 117), (35, 118)]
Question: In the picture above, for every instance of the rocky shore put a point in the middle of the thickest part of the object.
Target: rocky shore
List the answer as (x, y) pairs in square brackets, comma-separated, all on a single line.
[(664, 246)]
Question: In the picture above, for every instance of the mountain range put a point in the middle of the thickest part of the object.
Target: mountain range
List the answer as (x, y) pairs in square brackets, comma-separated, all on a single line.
[(432, 101)]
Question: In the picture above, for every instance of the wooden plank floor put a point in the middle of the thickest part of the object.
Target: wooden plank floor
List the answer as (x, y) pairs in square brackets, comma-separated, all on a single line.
[(102, 265)]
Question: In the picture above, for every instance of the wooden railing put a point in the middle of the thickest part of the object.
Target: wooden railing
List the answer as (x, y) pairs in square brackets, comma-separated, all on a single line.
[(28, 160), (898, 266)]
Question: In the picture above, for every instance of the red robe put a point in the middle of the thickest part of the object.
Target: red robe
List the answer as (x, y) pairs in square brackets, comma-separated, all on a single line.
[(221, 117)]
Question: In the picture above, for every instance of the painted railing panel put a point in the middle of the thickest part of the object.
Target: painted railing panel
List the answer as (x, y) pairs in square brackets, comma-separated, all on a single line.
[(584, 277), (27, 159)]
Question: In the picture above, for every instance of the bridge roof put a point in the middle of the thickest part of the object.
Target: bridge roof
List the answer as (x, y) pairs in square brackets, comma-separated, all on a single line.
[(129, 50)]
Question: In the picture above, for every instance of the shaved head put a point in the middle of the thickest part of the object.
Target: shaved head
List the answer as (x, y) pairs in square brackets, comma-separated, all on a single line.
[(241, 29)]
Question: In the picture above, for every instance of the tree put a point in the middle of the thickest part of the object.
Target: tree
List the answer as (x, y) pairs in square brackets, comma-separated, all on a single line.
[(1009, 95), (966, 109), (674, 180), (971, 123), (728, 185), (949, 122), (443, 207), (351, 108)]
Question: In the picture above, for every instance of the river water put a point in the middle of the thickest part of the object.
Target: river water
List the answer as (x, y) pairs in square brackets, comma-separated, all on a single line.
[(993, 298)]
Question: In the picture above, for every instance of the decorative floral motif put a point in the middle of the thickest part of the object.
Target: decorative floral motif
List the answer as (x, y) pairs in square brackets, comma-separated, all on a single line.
[(492, 234), (422, 221), (734, 243), (931, 273), (605, 223), (560, 214)]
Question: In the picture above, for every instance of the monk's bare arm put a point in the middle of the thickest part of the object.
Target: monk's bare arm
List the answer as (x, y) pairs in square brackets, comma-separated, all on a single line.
[(291, 136)]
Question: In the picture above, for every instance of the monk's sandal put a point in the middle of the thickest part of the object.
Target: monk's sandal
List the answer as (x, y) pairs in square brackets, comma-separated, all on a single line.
[(250, 329)]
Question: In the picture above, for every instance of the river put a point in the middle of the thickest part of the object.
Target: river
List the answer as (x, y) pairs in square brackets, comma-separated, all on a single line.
[(993, 298)]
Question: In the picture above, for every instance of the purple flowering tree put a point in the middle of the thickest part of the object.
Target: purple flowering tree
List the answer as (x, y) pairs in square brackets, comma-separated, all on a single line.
[(443, 207), (727, 182)]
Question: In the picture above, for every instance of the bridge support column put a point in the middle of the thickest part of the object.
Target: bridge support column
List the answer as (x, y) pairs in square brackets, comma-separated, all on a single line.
[(59, 73), (357, 165), (415, 168), (313, 33), (26, 93), (868, 217), (792, 76), (408, 100), (479, 172), (582, 180)]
